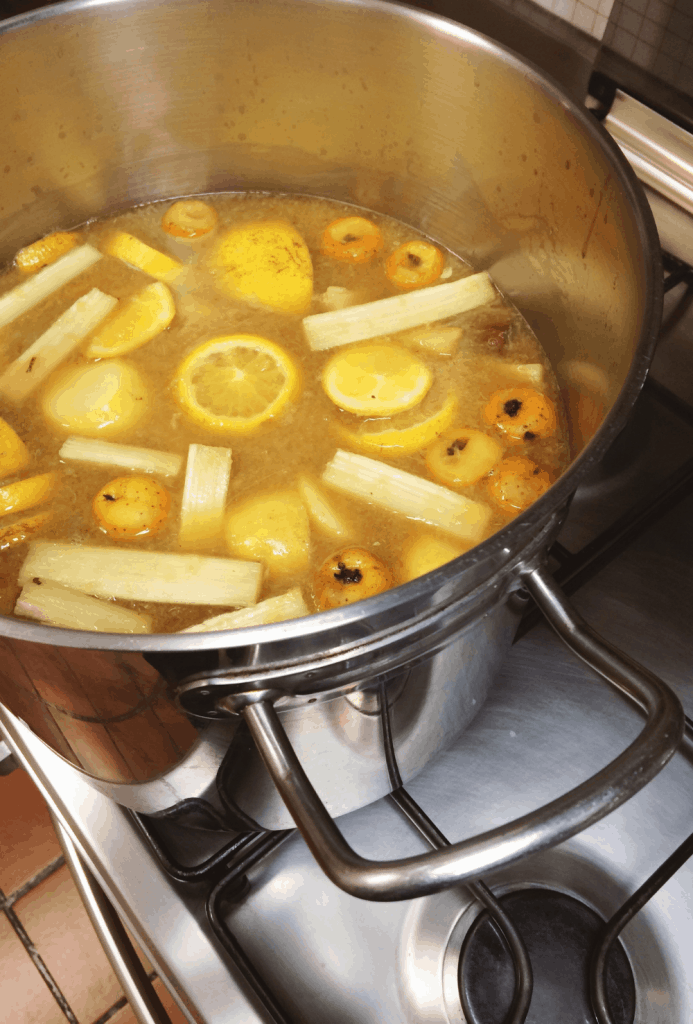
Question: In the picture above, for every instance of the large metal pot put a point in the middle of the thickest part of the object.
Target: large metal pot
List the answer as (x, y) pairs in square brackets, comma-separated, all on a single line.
[(108, 103)]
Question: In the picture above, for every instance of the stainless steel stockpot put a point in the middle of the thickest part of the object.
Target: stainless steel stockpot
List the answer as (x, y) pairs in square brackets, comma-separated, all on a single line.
[(110, 103)]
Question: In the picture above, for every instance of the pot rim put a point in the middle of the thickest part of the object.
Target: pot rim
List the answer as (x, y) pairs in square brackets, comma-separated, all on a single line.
[(528, 523)]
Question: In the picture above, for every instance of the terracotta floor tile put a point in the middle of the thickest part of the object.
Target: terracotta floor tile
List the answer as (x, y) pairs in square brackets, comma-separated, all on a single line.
[(24, 998), (27, 840), (58, 925), (126, 1016)]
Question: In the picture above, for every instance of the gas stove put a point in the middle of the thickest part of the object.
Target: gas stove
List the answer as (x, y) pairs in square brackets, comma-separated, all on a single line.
[(247, 928)]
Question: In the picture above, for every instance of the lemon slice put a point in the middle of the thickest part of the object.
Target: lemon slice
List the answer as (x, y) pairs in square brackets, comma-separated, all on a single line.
[(401, 438), (135, 322), (235, 383), (141, 256), (376, 380)]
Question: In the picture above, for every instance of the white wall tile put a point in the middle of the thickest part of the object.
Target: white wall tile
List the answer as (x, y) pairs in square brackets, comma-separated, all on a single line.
[(565, 9), (659, 11), (605, 7), (623, 42), (589, 15), (643, 54), (639, 6), (650, 32), (600, 23), (584, 18), (630, 21)]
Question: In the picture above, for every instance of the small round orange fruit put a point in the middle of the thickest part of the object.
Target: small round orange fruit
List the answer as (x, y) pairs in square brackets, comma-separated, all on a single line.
[(517, 482), (522, 414), (461, 456), (414, 265), (351, 240), (189, 218), (131, 507), (350, 575)]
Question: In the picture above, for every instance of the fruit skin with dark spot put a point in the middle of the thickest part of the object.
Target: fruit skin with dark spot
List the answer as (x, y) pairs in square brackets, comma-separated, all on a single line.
[(350, 575), (131, 507), (462, 456), (521, 414)]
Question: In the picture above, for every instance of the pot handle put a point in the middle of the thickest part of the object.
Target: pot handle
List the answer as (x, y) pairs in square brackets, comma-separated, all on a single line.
[(409, 877)]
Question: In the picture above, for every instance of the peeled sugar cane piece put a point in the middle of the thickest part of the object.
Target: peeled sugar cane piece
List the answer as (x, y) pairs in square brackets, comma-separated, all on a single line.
[(13, 452), (275, 609), (63, 336), (532, 373), (207, 476), (441, 340), (408, 495), (107, 453), (24, 494), (398, 312), (56, 605), (336, 296), (144, 575), (321, 512), (29, 293)]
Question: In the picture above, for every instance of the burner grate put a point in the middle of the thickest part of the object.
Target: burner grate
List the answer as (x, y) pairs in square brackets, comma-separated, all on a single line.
[(560, 932)]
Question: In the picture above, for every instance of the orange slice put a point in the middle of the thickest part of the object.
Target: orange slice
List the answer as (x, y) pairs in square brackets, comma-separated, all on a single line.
[(233, 384), (376, 379), (13, 452), (135, 322), (143, 257), (405, 435), (47, 250)]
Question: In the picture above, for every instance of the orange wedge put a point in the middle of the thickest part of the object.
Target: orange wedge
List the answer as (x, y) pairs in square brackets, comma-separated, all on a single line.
[(404, 435), (135, 322)]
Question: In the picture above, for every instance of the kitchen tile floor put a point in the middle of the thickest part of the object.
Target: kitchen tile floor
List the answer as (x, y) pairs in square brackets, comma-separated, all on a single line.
[(52, 968)]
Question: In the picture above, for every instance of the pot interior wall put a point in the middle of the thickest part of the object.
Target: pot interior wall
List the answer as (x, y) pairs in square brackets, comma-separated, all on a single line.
[(113, 104)]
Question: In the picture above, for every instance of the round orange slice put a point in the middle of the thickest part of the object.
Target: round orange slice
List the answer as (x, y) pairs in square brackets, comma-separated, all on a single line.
[(234, 384), (376, 379), (404, 435)]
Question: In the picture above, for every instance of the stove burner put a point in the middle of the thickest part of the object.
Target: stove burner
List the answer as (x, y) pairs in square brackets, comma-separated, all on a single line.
[(560, 934)]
